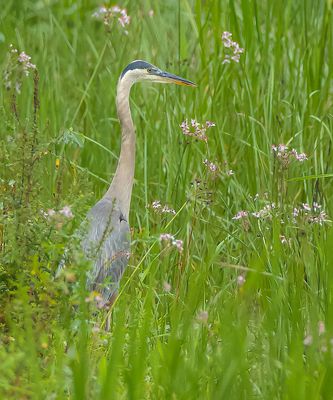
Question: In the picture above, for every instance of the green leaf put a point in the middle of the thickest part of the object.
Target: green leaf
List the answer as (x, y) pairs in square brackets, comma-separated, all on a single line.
[(71, 137)]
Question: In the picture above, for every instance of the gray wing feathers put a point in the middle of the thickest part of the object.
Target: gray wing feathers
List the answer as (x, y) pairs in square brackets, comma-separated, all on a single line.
[(107, 244)]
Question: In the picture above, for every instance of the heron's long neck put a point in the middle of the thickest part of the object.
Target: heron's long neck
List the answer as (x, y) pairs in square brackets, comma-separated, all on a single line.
[(122, 183)]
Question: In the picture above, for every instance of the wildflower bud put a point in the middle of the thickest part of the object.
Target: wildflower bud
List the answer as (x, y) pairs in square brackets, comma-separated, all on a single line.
[(240, 280), (166, 287), (202, 317)]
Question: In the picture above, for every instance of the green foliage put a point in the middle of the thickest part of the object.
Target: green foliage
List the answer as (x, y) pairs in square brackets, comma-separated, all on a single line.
[(245, 311)]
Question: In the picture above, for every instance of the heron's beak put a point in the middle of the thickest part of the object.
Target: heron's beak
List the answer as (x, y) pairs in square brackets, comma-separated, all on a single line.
[(166, 77)]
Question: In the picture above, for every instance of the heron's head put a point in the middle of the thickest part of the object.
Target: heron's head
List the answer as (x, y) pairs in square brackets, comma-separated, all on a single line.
[(139, 70)]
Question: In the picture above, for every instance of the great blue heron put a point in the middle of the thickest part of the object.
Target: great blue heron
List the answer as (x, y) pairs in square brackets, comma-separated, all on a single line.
[(107, 242)]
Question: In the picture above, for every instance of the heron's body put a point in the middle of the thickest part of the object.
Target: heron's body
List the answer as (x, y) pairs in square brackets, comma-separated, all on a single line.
[(107, 242)]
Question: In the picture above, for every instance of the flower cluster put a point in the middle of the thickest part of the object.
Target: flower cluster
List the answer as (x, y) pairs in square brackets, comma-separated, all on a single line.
[(311, 214), (214, 168), (109, 14), (233, 46), (19, 62), (202, 317), (167, 287), (211, 166), (24, 60), (196, 129), (240, 215), (157, 206), (241, 280), (265, 212), (318, 338), (65, 211), (286, 156), (96, 299), (170, 240)]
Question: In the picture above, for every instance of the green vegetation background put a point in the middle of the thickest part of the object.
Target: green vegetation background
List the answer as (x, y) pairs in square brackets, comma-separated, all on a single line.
[(185, 325)]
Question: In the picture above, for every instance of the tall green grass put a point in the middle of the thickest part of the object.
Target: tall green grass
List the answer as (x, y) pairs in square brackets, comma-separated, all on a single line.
[(185, 325)]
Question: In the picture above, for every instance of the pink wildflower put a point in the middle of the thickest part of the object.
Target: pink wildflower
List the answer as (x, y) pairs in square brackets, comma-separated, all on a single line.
[(265, 212), (241, 280), (202, 317), (301, 157), (321, 327), (296, 212), (24, 66), (96, 299), (179, 245), (298, 156), (167, 210), (157, 206), (109, 14), (241, 214), (170, 239), (308, 340), (286, 156), (280, 148), (196, 129), (318, 219), (316, 206), (312, 215), (24, 60), (100, 12), (233, 46), (51, 212), (124, 19), (116, 9), (166, 237), (226, 36), (211, 166), (306, 207), (66, 212), (166, 287)]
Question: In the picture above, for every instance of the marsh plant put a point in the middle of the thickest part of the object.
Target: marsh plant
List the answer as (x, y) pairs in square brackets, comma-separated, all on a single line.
[(34, 232)]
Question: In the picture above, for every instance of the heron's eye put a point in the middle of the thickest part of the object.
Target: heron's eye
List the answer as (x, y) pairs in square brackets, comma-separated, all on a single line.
[(149, 70)]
